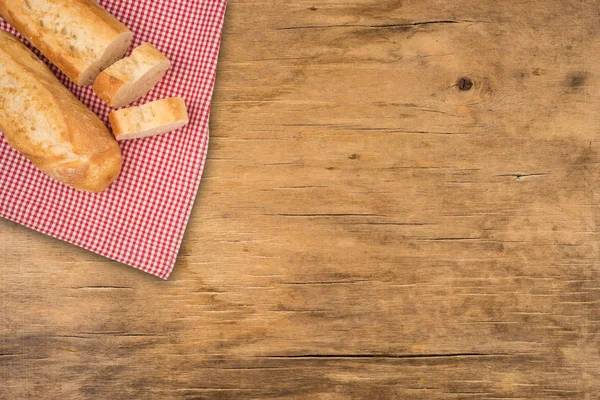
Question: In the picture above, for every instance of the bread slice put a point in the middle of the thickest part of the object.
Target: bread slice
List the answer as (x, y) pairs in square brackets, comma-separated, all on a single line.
[(78, 36), (133, 77), (151, 119)]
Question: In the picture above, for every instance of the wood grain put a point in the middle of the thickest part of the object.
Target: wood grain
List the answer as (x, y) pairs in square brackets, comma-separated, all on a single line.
[(365, 229)]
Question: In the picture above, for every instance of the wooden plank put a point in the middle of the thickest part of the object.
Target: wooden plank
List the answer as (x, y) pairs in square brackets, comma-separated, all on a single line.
[(365, 229)]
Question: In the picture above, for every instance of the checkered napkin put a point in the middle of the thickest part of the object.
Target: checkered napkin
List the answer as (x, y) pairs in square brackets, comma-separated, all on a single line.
[(140, 220)]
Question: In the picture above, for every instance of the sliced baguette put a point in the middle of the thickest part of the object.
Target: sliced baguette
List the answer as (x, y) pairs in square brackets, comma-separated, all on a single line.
[(133, 77), (151, 119), (78, 36)]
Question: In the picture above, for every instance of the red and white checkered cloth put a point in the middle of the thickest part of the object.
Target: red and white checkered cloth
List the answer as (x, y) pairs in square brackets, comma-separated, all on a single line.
[(140, 220)]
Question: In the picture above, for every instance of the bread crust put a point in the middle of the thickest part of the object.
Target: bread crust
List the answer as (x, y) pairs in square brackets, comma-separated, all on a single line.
[(44, 121), (76, 35), (128, 74), (133, 122)]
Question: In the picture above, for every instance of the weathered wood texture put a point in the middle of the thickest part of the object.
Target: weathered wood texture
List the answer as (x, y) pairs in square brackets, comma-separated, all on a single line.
[(364, 229)]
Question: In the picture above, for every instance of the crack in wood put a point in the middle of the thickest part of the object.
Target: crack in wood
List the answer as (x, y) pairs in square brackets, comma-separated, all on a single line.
[(381, 26), (303, 187), (521, 176), (390, 223), (451, 239), (384, 356), (394, 130), (326, 282), (118, 334), (326, 215), (207, 389), (102, 287)]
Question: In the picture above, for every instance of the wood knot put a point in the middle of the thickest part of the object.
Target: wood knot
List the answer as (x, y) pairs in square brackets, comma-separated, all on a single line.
[(576, 80), (464, 84)]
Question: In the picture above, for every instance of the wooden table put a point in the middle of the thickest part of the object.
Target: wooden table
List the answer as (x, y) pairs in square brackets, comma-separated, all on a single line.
[(401, 202)]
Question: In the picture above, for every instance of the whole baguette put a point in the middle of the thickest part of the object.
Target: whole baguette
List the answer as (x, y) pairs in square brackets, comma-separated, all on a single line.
[(44, 121), (78, 36)]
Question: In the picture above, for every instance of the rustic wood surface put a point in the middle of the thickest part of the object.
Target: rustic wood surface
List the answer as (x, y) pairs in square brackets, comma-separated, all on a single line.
[(364, 229)]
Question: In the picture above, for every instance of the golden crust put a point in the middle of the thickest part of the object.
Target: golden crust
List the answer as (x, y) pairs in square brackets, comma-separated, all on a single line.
[(127, 74), (129, 122), (44, 121), (115, 123), (107, 87), (73, 34)]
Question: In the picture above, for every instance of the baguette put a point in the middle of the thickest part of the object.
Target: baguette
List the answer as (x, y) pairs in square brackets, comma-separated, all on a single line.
[(151, 119), (78, 36), (133, 77), (44, 121)]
